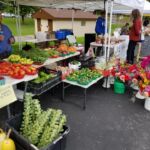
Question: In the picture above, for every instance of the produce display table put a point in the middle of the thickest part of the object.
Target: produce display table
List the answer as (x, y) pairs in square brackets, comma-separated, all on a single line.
[(53, 60), (39, 41), (11, 81), (85, 87)]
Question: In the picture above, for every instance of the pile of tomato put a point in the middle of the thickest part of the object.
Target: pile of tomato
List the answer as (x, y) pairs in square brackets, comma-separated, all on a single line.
[(16, 71)]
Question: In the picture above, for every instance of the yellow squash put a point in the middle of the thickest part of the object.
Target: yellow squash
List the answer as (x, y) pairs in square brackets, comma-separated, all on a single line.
[(8, 143), (2, 137)]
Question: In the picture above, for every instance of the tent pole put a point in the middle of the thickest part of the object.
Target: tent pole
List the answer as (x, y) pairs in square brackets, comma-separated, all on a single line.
[(104, 5), (19, 25), (72, 19), (110, 24), (105, 36)]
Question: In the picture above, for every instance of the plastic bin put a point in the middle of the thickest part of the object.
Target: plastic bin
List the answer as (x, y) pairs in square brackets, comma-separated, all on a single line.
[(24, 144), (39, 88), (60, 35), (119, 87)]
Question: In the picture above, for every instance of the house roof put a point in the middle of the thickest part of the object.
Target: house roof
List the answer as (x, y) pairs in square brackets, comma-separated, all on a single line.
[(46, 13)]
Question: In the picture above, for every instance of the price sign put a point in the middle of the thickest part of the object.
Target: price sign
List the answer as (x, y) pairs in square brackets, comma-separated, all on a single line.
[(7, 95)]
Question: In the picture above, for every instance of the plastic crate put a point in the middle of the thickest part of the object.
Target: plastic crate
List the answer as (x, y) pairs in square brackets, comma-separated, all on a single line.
[(23, 144), (60, 35), (39, 88)]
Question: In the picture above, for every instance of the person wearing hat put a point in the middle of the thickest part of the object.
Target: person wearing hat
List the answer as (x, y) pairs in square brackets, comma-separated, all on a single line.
[(6, 39)]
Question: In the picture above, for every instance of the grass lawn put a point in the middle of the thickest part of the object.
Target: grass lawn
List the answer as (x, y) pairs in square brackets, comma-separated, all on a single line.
[(80, 40), (26, 29)]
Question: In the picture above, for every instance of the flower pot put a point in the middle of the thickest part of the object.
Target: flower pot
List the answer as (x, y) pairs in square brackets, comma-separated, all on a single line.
[(139, 95), (112, 80), (147, 104), (119, 87), (134, 87), (106, 83)]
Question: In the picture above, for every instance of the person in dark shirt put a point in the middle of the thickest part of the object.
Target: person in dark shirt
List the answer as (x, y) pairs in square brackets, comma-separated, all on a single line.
[(125, 29), (134, 35), (146, 23), (6, 39)]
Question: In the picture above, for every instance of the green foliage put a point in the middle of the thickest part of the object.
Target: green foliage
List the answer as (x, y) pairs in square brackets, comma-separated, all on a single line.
[(80, 40), (24, 10), (35, 54), (36, 109), (27, 119), (26, 29), (43, 77), (41, 127), (38, 126), (53, 129)]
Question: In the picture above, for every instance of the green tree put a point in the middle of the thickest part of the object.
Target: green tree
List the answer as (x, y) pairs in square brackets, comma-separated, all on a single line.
[(26, 10), (8, 6)]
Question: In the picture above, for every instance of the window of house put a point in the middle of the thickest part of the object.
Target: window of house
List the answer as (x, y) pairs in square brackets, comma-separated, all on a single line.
[(83, 23)]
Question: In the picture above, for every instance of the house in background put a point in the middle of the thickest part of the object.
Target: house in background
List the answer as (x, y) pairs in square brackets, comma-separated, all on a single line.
[(54, 19)]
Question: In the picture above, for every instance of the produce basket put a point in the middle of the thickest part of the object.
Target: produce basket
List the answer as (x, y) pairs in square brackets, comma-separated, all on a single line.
[(15, 123), (39, 88)]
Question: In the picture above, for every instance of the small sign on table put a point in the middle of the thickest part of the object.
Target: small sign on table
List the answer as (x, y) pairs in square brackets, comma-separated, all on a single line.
[(7, 95)]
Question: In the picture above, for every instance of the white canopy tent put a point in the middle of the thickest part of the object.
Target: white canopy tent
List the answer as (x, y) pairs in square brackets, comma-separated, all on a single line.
[(83, 4), (87, 5), (146, 9)]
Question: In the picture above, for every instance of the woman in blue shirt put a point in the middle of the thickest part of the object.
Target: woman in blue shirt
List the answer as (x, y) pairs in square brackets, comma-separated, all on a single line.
[(6, 39)]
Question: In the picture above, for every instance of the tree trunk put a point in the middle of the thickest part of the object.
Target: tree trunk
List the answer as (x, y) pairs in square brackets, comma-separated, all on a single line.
[(23, 18)]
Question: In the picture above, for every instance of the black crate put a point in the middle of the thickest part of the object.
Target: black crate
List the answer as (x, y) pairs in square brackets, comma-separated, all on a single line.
[(23, 144), (39, 88)]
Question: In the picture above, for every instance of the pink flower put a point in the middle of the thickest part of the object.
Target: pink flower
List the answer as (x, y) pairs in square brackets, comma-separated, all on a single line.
[(147, 88), (134, 80), (146, 62), (122, 78), (146, 94), (117, 74)]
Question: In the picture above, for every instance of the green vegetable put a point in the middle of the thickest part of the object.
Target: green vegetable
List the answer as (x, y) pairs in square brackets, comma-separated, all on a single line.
[(36, 109), (43, 77), (38, 126), (84, 76), (53, 129), (27, 119), (41, 127), (35, 54)]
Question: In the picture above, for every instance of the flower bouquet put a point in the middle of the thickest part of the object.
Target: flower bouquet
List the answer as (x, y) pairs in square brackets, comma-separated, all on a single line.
[(144, 83), (123, 74), (145, 64)]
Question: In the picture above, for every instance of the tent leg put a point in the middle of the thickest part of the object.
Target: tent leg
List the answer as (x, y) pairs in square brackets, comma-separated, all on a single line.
[(110, 24)]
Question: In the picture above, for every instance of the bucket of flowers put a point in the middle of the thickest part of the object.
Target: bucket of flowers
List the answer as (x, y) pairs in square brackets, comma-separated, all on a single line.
[(143, 81), (120, 79), (123, 76), (144, 85)]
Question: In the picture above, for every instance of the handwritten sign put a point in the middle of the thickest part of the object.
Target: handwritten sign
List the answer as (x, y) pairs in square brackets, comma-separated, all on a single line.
[(7, 95)]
